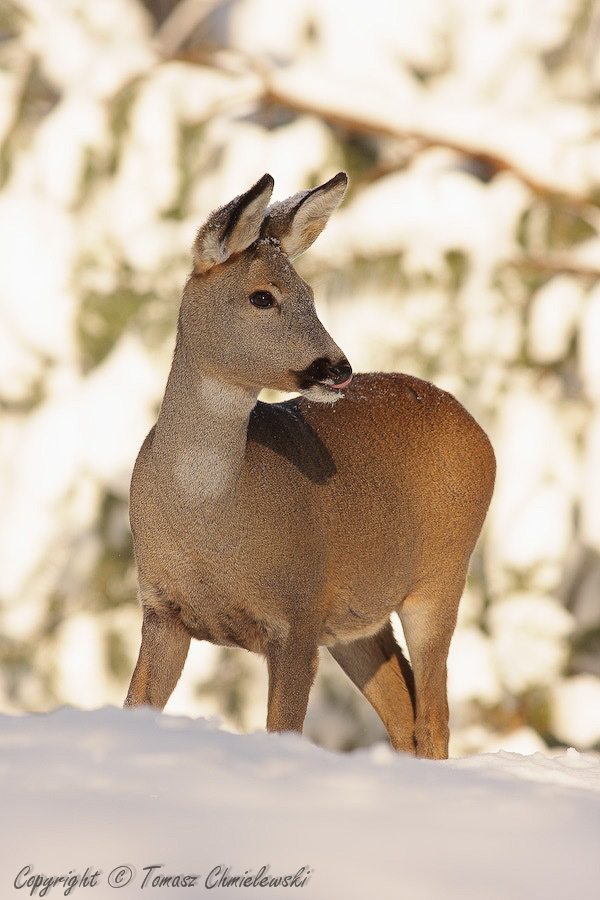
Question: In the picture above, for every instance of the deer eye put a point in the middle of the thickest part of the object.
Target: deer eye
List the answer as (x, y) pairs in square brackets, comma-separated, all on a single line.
[(262, 299)]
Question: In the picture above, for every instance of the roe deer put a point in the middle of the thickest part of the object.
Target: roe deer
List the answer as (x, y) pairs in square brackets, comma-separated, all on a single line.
[(284, 527)]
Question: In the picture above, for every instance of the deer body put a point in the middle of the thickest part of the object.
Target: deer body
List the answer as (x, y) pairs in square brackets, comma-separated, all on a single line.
[(281, 528)]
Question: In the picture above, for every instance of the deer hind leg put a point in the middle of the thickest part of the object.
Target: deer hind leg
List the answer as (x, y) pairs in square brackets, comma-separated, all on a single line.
[(165, 645), (378, 668), (292, 668), (428, 617)]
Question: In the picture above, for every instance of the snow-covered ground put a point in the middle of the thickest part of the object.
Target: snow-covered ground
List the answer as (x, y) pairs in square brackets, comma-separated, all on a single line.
[(116, 792)]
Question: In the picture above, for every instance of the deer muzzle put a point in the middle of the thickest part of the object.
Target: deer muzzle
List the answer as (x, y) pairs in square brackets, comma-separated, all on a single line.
[(323, 371)]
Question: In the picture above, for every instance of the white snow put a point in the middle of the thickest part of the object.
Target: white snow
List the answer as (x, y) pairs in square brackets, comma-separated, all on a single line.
[(94, 48), (576, 709), (553, 320), (472, 674), (113, 788), (590, 333), (528, 631), (530, 518)]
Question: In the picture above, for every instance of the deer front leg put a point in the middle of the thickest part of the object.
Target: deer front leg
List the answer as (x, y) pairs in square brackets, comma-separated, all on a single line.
[(292, 668), (165, 644), (378, 668)]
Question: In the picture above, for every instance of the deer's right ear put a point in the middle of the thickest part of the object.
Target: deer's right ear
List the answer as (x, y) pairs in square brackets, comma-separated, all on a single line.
[(233, 227)]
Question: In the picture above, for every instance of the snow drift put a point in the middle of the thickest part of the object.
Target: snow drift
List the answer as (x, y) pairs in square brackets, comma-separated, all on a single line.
[(111, 794)]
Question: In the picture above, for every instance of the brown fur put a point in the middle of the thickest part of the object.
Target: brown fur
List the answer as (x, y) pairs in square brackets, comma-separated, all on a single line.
[(284, 527)]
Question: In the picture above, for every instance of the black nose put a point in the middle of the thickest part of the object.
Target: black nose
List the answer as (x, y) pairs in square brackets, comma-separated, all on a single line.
[(341, 372)]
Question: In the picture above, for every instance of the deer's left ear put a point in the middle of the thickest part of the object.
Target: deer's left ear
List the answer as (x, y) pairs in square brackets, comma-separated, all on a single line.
[(298, 221)]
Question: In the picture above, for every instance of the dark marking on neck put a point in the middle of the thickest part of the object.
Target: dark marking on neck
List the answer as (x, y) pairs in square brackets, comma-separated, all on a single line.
[(282, 428)]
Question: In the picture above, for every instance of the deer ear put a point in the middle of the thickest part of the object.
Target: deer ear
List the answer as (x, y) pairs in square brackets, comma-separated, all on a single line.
[(233, 227), (298, 221)]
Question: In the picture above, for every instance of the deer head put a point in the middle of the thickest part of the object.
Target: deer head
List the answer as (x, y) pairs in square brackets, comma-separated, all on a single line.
[(247, 318)]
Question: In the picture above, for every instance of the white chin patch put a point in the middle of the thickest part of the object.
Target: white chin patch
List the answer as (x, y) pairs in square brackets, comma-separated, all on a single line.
[(320, 394)]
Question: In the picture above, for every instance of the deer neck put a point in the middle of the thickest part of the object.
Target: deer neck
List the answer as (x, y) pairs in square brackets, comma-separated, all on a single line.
[(201, 433)]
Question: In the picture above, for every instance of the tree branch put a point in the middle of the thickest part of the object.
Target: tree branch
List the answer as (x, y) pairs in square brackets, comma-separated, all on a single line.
[(360, 125), (557, 264), (274, 93), (181, 22)]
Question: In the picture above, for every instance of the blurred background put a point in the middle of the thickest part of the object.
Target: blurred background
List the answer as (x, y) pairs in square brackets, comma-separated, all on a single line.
[(467, 252)]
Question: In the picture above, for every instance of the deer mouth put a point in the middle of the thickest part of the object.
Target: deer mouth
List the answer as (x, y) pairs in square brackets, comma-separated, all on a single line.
[(338, 385), (322, 390), (324, 375)]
